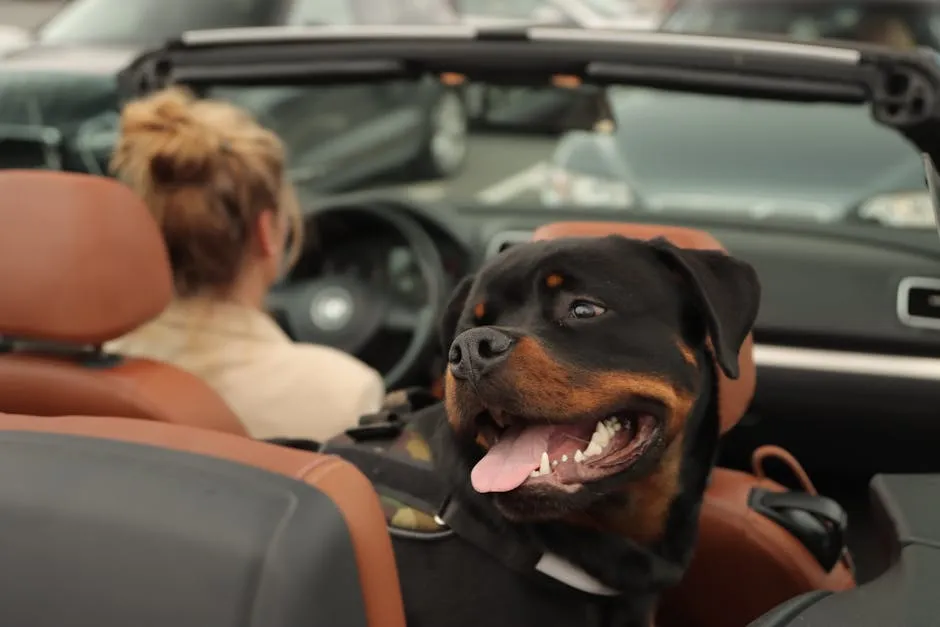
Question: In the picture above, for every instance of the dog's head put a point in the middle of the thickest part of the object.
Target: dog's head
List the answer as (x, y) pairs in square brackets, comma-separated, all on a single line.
[(573, 365)]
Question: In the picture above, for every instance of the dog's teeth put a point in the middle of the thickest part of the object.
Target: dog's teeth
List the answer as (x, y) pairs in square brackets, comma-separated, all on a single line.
[(578, 456), (593, 449), (564, 458), (554, 463), (601, 435), (535, 473), (596, 442), (545, 465)]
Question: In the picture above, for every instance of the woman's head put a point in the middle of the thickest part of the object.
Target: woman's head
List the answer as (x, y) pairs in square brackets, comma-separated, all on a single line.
[(215, 181)]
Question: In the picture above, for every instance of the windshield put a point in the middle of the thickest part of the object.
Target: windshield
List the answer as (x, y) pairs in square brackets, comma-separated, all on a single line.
[(620, 150), (150, 22), (897, 24)]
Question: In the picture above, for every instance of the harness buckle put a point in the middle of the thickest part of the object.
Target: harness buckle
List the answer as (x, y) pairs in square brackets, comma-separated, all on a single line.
[(382, 425), (444, 512)]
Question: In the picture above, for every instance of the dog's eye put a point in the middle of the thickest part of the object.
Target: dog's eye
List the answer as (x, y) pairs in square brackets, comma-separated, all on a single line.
[(582, 309)]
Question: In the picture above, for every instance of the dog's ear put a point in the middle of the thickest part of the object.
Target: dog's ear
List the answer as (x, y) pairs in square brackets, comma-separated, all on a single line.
[(728, 292), (453, 310)]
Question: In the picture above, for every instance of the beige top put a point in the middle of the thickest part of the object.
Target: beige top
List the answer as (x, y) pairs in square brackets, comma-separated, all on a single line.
[(277, 388)]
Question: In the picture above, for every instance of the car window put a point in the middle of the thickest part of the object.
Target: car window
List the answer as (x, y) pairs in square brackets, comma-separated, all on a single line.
[(150, 21), (897, 24)]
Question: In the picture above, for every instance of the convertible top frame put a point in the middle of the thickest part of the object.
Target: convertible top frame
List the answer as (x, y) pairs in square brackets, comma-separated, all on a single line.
[(903, 88)]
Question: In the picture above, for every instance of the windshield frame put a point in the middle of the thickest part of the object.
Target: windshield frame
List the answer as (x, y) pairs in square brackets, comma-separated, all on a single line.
[(733, 66)]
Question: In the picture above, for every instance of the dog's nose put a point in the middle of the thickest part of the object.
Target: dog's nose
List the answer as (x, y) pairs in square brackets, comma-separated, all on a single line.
[(477, 351)]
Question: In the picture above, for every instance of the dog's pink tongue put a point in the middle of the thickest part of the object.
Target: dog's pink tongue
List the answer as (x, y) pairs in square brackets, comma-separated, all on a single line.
[(507, 465)]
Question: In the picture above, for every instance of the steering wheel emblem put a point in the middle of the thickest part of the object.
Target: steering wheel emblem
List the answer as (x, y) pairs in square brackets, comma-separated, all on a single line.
[(331, 309)]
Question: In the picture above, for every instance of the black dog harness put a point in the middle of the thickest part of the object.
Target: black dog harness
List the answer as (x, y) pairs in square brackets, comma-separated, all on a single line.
[(416, 484)]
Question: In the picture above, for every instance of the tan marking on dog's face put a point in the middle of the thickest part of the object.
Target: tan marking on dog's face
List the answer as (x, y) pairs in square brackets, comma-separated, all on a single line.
[(687, 353), (553, 281)]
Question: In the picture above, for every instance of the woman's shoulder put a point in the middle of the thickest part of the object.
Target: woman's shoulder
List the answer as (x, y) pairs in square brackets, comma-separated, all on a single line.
[(339, 371), (332, 360), (304, 390)]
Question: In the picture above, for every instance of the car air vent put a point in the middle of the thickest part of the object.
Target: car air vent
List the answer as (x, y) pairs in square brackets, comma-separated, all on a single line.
[(505, 240), (919, 302)]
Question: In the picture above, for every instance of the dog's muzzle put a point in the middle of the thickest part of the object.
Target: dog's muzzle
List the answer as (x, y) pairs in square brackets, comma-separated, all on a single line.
[(477, 352)]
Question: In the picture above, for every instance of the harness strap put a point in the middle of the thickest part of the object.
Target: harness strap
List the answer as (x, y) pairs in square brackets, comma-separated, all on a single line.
[(419, 487), (420, 484), (500, 544)]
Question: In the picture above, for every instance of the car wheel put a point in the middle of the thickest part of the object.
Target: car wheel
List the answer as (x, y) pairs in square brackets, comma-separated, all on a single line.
[(446, 146)]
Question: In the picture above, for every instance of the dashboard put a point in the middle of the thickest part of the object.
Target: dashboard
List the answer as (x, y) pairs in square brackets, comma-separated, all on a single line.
[(847, 339)]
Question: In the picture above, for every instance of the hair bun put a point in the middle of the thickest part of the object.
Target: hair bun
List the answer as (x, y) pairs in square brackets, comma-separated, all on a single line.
[(178, 148)]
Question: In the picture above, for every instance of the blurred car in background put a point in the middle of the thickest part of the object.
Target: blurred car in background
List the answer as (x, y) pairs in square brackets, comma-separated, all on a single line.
[(896, 23), (829, 165), (147, 23)]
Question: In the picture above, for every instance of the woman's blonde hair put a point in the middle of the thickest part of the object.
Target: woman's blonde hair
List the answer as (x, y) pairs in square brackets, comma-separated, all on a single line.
[(206, 170)]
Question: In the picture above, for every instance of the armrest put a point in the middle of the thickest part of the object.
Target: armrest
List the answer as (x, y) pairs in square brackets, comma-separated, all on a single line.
[(905, 595), (908, 507)]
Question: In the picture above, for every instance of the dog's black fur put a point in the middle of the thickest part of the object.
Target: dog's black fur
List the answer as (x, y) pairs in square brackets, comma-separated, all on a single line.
[(655, 317)]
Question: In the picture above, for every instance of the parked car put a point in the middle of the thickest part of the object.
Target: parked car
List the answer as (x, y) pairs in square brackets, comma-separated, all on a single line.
[(146, 23), (862, 171), (899, 23)]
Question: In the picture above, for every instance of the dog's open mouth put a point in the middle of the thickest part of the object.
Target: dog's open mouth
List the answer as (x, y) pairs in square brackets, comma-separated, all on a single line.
[(563, 455)]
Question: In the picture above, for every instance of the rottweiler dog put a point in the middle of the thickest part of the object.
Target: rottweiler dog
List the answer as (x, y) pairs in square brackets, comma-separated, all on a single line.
[(578, 431)]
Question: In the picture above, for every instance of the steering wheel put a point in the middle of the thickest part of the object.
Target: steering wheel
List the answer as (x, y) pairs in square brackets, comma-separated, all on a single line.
[(346, 313)]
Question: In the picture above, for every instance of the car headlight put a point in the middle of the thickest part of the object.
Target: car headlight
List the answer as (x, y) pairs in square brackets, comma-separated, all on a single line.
[(904, 210), (566, 188)]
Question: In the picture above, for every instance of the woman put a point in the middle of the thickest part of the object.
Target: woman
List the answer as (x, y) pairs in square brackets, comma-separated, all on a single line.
[(214, 179)]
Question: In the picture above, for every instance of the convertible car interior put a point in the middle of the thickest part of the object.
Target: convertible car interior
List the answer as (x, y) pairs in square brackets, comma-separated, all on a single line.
[(821, 512)]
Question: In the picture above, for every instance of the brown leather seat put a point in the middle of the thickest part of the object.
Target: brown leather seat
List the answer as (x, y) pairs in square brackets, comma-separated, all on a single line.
[(114, 441), (744, 563), (83, 263)]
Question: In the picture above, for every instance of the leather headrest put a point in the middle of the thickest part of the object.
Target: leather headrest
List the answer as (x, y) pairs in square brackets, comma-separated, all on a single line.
[(82, 259), (734, 395)]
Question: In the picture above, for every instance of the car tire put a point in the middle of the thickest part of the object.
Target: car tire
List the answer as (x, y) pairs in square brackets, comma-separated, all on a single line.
[(445, 148)]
